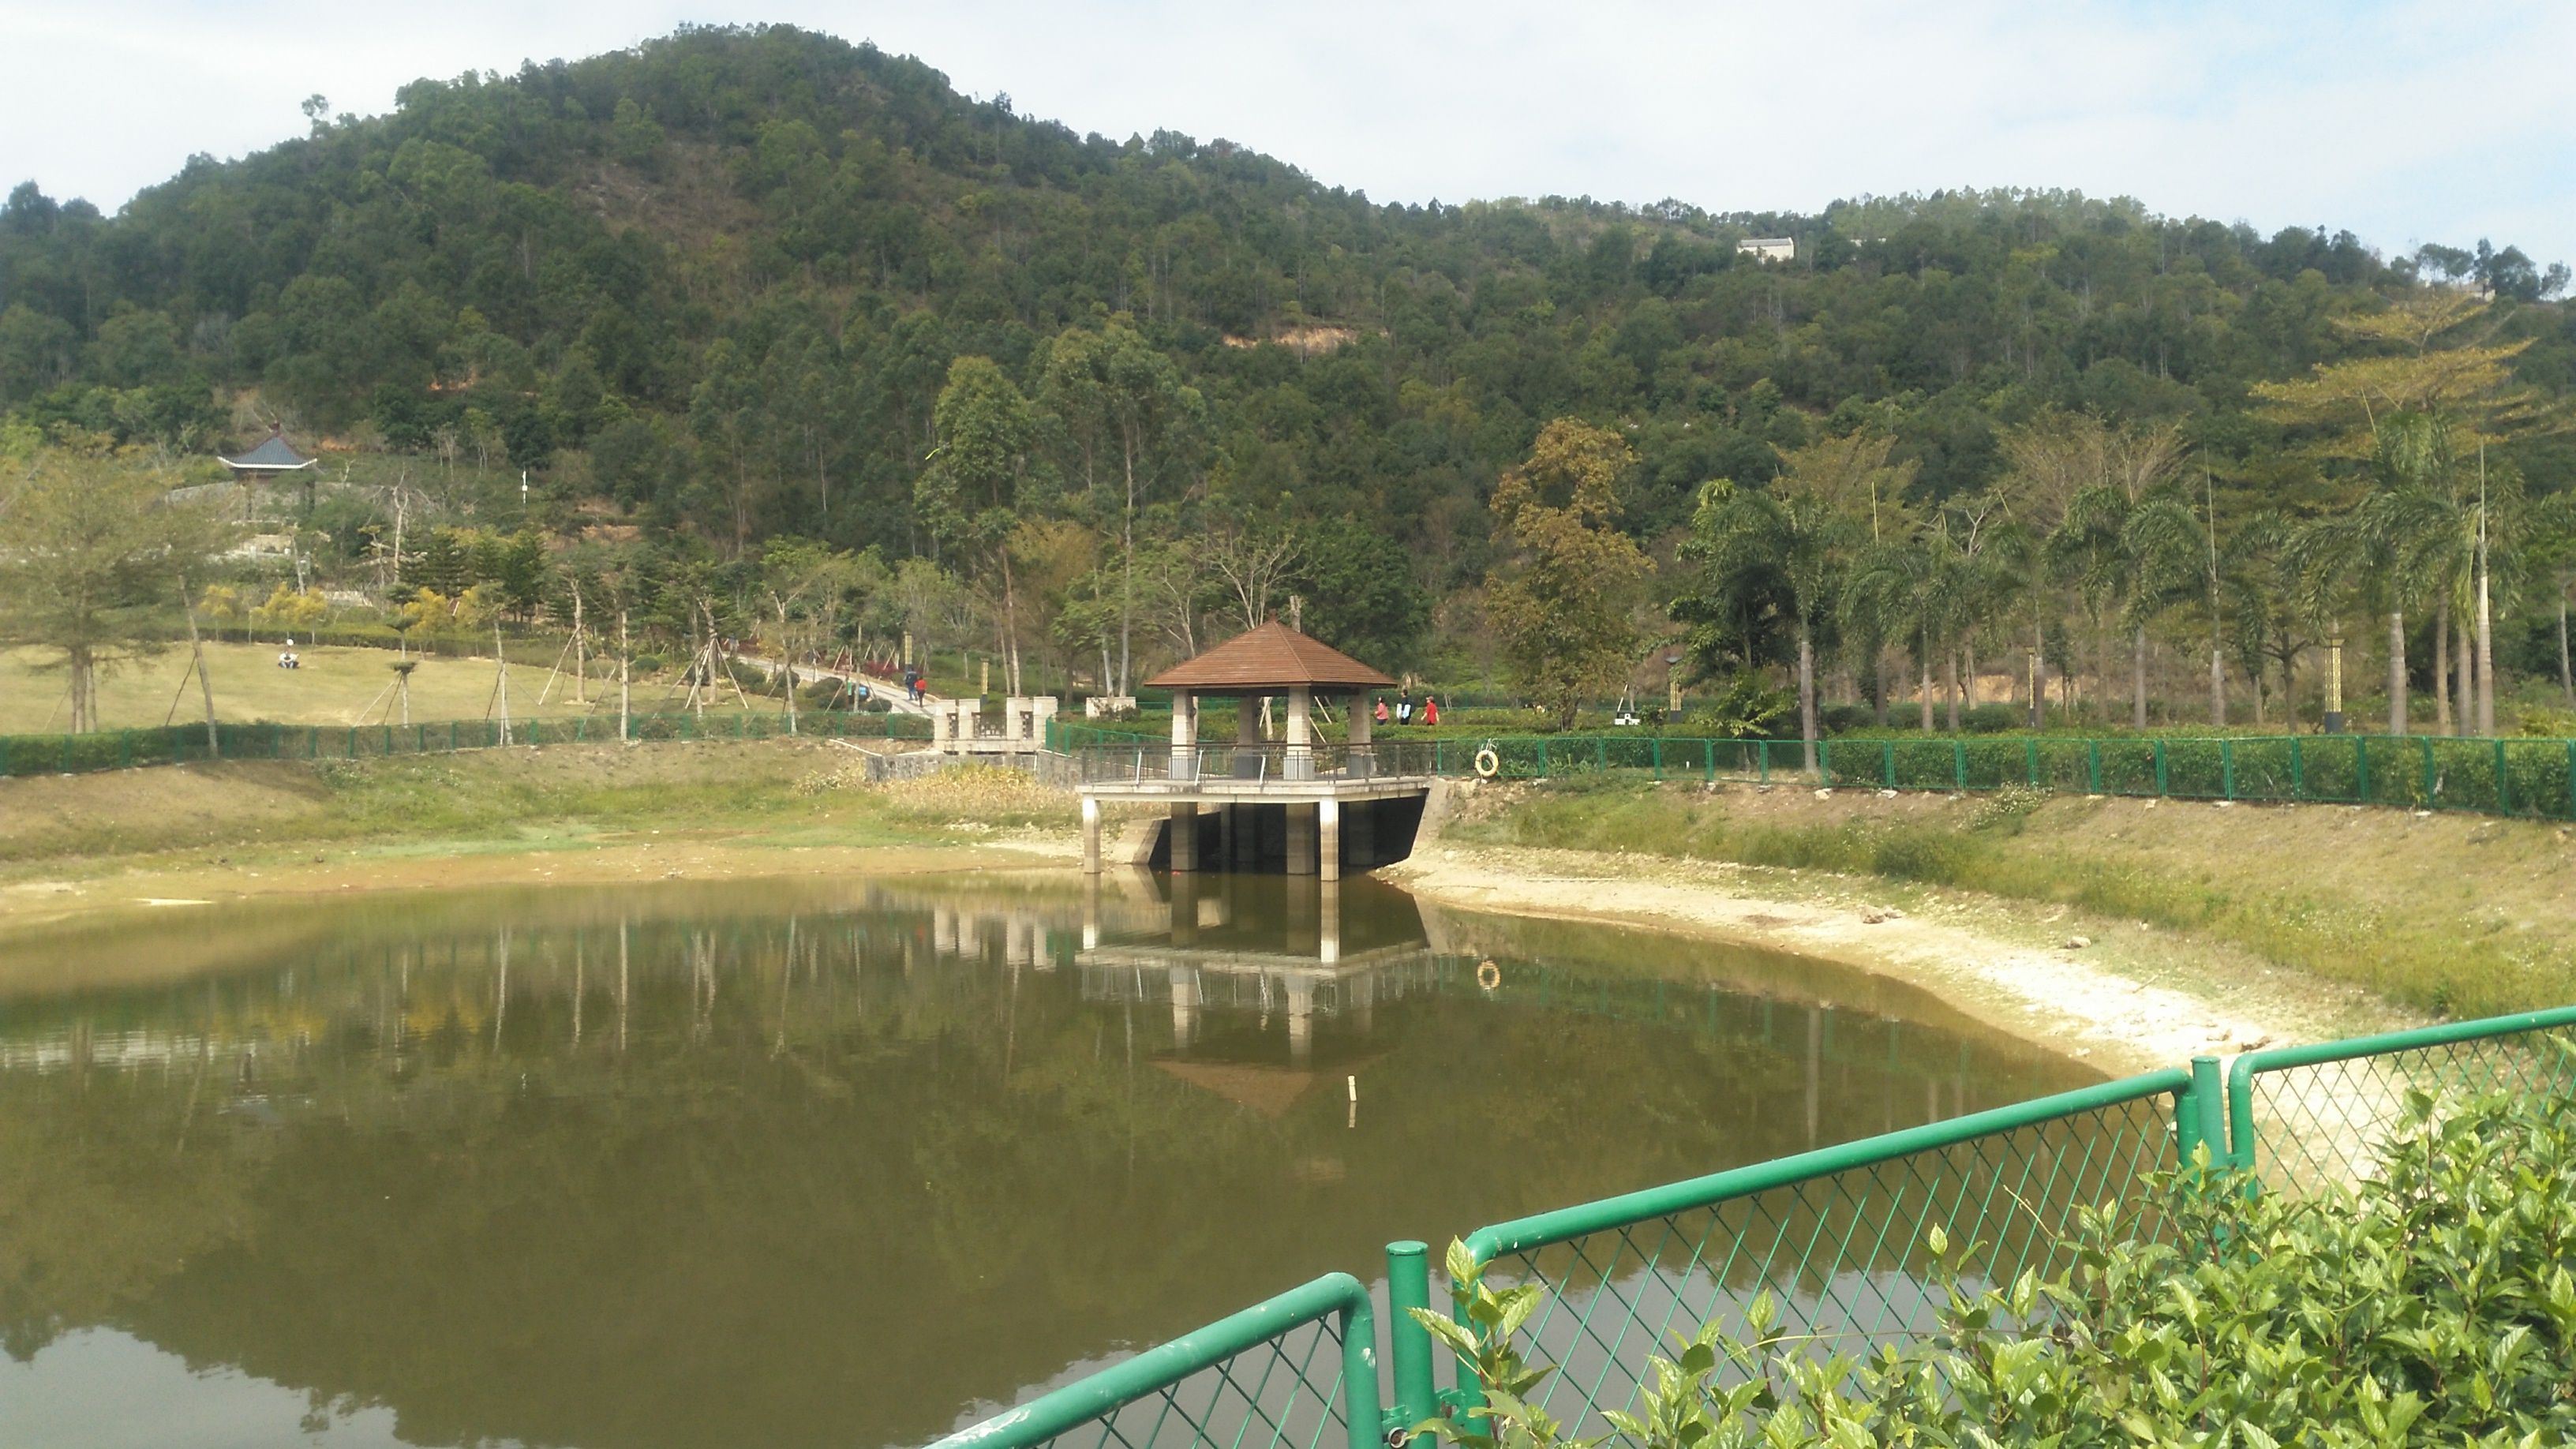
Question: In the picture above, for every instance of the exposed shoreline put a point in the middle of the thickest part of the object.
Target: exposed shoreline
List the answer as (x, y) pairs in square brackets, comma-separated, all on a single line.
[(2129, 1000)]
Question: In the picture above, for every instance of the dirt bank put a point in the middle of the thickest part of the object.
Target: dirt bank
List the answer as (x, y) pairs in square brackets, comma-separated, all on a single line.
[(2128, 999)]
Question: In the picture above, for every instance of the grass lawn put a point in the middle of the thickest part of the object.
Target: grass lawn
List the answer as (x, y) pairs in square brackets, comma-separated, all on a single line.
[(335, 686)]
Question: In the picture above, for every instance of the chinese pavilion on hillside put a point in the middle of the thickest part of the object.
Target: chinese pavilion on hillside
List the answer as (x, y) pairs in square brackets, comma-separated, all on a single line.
[(1285, 802), (273, 458)]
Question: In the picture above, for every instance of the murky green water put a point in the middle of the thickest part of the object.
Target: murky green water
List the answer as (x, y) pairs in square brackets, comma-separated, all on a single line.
[(812, 1164)]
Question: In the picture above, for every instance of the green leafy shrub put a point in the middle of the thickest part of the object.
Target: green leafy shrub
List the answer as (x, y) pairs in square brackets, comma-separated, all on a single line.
[(2433, 1305)]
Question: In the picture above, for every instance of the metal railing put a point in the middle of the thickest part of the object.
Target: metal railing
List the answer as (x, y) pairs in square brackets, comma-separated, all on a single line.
[(1143, 762), (1836, 1236), (187, 744), (1286, 1373)]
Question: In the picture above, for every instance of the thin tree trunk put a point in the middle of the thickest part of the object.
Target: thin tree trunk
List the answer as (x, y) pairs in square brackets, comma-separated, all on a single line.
[(1807, 694), (2397, 673), (1950, 688), (2566, 678), (2442, 668), (2468, 686), (1971, 648), (2486, 649), (197, 652), (1923, 689), (2138, 680), (1878, 688), (625, 699), (501, 683), (580, 659)]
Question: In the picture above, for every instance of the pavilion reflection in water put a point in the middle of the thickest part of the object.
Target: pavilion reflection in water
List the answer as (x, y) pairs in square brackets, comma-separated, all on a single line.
[(1277, 952)]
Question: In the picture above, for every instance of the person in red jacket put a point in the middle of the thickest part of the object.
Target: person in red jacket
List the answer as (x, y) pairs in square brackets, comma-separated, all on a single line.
[(1431, 709)]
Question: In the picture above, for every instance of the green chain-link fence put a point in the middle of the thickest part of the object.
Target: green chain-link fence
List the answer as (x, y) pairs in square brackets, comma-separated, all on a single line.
[(185, 744), (2525, 777), (1836, 1236)]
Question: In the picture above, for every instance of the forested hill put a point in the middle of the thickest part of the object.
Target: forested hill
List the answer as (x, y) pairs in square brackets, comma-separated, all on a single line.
[(720, 279)]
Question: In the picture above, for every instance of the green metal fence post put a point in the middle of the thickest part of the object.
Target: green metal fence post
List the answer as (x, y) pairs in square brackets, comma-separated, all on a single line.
[(1825, 760), (125, 748), (353, 742), (1408, 1343), (2208, 1110), (2504, 782), (1601, 752), (2160, 769), (1542, 759), (2093, 764), (1887, 762), (2227, 768), (1659, 759), (1959, 764), (1708, 764)]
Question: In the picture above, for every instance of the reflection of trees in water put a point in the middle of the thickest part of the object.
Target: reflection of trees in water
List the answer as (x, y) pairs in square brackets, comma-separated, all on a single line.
[(800, 1180)]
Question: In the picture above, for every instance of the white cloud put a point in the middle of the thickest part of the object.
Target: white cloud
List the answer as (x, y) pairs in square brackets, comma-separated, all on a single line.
[(2404, 122)]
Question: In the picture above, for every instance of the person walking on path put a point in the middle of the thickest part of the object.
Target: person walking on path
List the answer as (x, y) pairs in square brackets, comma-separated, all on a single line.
[(1430, 709), (1381, 711)]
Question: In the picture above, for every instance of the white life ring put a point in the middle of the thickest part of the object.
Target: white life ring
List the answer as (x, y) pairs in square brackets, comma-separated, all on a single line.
[(1489, 975), (1487, 763)]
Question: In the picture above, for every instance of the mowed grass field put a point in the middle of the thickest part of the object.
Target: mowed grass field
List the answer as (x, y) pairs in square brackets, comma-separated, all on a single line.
[(335, 686)]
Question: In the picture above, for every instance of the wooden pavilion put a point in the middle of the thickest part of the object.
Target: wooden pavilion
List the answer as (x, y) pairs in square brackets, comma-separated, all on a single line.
[(1298, 785)]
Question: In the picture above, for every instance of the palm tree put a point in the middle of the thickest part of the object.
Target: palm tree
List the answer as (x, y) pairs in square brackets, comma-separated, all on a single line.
[(1789, 541)]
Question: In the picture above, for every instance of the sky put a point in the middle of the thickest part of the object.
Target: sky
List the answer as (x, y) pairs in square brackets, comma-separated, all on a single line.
[(2403, 122)]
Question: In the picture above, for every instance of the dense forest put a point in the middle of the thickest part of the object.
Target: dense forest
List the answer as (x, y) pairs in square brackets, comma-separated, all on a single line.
[(739, 291)]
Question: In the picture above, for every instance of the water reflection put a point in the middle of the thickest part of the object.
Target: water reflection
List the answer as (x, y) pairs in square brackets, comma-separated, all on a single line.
[(815, 1163)]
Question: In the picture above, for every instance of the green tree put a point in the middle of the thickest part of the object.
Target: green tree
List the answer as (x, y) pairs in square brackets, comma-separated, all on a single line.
[(90, 554), (1130, 418), (969, 495), (1563, 604)]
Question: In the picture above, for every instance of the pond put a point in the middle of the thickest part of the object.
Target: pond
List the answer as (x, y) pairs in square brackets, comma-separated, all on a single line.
[(831, 1163)]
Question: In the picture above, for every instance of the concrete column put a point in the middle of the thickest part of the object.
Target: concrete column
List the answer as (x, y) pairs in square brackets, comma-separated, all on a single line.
[(1300, 761), (1185, 1006), (1185, 835), (1359, 826), (1185, 910), (1247, 836), (1328, 839), (1185, 736), (1091, 838), (1247, 738), (1363, 755), (1301, 839), (1301, 1019), (1328, 921)]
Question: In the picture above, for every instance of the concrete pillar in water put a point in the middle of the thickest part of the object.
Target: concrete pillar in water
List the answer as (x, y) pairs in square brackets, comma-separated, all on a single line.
[(1185, 838), (1301, 840), (1185, 909), (1328, 839), (1247, 836), (1301, 1019), (1091, 838), (1328, 920), (1185, 1006), (1303, 915)]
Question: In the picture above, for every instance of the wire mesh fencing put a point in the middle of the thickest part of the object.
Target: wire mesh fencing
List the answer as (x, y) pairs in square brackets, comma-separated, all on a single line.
[(1298, 1371), (2309, 1117), (1836, 1237), (192, 744)]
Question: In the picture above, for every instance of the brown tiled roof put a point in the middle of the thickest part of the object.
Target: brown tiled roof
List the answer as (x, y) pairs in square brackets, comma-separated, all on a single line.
[(1273, 657)]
